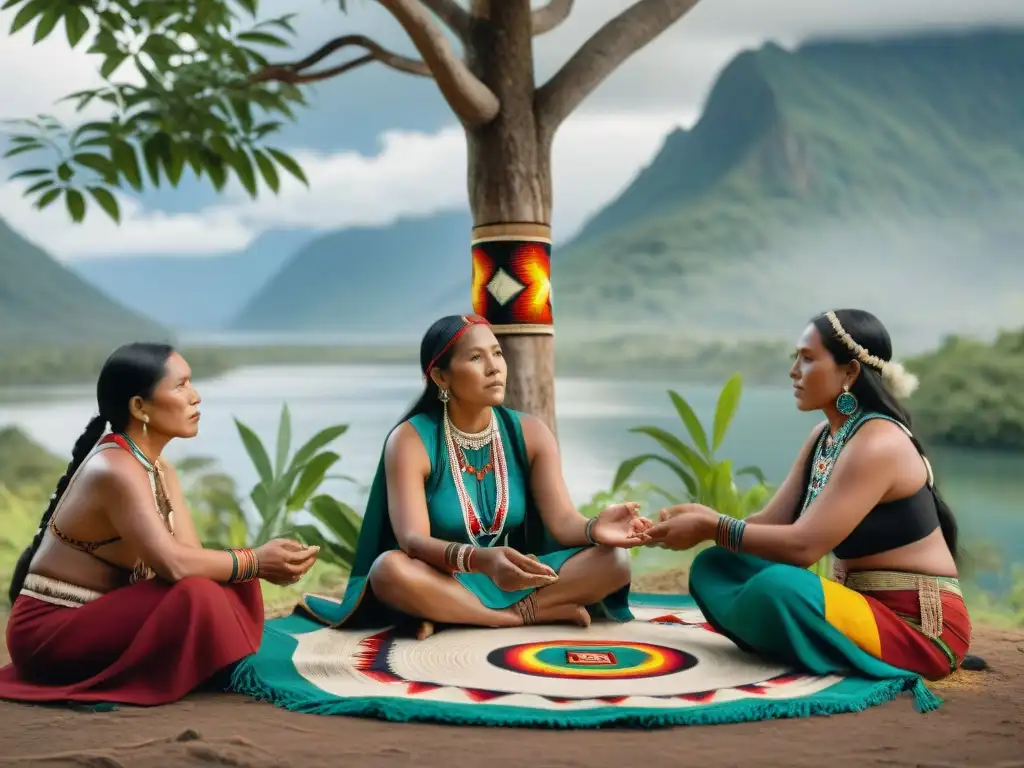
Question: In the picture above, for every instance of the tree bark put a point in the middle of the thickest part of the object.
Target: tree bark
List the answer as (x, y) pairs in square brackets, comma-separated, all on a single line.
[(510, 176)]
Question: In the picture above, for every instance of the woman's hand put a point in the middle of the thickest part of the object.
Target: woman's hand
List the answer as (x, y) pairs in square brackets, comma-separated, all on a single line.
[(620, 525), (511, 570), (284, 562), (684, 526)]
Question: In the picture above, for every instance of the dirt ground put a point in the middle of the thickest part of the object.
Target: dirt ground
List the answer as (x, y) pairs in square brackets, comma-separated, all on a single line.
[(981, 725)]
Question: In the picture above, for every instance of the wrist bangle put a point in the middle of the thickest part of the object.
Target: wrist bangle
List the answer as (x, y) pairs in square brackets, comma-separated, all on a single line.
[(245, 565), (587, 531), (729, 533)]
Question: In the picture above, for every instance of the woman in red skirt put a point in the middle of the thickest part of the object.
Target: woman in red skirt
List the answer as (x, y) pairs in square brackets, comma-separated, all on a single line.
[(116, 600)]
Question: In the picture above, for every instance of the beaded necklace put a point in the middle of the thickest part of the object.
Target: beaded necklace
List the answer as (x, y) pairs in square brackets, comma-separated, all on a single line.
[(455, 441), (825, 456)]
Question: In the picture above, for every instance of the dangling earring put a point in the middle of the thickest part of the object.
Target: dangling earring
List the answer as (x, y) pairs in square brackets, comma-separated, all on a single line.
[(145, 427), (847, 403), (443, 396)]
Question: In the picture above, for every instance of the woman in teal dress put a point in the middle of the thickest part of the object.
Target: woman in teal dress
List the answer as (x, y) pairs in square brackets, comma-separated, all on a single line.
[(469, 521)]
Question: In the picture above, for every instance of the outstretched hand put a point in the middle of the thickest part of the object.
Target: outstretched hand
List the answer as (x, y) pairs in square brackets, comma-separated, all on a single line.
[(620, 525), (683, 526), (511, 570)]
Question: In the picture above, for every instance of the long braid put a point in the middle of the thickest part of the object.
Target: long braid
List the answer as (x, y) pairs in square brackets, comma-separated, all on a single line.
[(85, 443)]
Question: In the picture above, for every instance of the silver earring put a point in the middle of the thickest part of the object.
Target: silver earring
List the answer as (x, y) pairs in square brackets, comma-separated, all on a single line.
[(443, 395)]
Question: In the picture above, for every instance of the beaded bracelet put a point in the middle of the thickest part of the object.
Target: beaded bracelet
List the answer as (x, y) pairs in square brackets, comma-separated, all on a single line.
[(245, 565), (587, 530), (729, 533)]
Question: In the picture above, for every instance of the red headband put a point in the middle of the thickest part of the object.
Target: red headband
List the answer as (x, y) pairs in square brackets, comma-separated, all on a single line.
[(469, 320)]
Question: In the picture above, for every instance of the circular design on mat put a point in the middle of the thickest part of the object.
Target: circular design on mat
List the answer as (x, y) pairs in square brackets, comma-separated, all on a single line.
[(593, 660)]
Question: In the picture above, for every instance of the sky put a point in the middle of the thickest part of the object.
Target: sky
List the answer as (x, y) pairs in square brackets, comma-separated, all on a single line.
[(378, 145)]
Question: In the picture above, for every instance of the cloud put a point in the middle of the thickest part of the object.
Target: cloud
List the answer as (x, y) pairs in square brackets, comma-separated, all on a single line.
[(413, 174)]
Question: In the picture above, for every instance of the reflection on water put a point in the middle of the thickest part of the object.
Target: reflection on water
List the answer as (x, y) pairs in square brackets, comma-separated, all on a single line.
[(594, 419)]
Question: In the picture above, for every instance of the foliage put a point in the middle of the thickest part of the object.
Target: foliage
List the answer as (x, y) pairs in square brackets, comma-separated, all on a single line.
[(214, 502), (289, 484), (706, 479), (970, 393), (20, 521), (181, 85)]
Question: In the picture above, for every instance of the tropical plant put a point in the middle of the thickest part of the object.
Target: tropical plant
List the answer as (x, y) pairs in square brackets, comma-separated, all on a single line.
[(643, 493), (289, 485), (706, 478), (214, 501)]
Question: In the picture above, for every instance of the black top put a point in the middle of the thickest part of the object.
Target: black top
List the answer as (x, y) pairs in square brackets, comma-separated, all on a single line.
[(890, 524)]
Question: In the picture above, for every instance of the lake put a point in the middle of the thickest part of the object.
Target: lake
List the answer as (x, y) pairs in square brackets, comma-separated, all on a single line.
[(594, 418)]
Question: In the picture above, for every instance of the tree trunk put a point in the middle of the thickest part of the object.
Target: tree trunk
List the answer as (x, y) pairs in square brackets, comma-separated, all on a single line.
[(510, 192)]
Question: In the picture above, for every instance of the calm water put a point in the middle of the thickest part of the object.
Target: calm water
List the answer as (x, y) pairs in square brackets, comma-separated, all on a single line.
[(594, 417)]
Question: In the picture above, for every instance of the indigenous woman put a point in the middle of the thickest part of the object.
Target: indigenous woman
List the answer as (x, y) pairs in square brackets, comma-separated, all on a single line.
[(469, 521), (116, 600), (860, 488)]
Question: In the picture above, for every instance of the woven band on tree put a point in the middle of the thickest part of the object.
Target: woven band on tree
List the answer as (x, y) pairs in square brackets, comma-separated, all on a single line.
[(512, 278)]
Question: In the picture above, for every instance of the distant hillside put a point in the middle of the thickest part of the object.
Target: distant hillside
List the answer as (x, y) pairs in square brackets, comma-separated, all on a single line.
[(885, 174), (370, 279), (42, 302), (196, 293)]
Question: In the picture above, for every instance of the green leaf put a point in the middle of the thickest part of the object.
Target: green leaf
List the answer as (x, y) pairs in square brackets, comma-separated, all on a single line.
[(701, 469), (75, 203), (262, 38), (155, 152), (257, 453), (27, 13), (10, 4), (75, 24), (723, 490), (316, 442), (48, 198), (289, 164), (65, 172), (39, 185), (95, 162), (728, 401), (107, 202), (29, 173), (629, 466), (754, 472), (46, 24), (242, 166), (692, 423), (268, 170), (340, 519), (111, 63), (19, 149), (312, 478), (261, 500), (127, 162), (284, 439)]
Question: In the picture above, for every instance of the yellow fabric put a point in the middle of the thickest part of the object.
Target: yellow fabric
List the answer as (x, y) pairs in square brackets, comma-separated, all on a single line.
[(849, 612)]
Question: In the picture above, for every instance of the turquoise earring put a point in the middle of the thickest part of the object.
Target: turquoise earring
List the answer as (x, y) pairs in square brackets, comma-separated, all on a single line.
[(846, 403)]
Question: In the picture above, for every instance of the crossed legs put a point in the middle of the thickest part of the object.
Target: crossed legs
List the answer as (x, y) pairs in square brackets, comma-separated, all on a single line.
[(415, 588)]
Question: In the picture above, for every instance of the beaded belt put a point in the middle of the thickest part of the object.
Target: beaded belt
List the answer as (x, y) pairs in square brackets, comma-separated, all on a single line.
[(58, 592), (928, 588)]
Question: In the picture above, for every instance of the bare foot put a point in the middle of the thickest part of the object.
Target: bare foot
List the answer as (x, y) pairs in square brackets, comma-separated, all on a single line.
[(567, 613), (425, 630)]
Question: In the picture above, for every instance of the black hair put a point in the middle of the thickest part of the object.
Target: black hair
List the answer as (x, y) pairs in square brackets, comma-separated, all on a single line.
[(437, 337), (871, 391), (132, 370)]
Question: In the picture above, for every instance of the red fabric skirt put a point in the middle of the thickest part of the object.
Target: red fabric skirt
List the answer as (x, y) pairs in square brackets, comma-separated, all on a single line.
[(146, 644)]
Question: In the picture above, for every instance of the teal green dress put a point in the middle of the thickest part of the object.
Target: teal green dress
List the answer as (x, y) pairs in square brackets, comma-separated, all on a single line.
[(523, 530)]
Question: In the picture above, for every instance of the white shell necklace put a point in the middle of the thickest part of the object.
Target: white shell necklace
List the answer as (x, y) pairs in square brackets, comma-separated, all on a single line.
[(454, 440)]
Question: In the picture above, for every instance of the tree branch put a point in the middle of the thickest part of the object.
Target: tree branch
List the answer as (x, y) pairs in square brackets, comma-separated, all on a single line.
[(549, 16), (451, 13), (602, 54), (472, 101), (296, 73)]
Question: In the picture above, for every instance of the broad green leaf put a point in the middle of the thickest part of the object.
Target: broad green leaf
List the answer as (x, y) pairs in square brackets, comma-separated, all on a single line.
[(75, 24), (268, 170), (311, 479), (262, 38), (242, 165), (107, 202), (127, 163), (261, 500), (629, 466), (29, 173), (289, 164), (46, 24), (754, 472), (75, 203), (284, 439), (47, 198), (680, 450), (692, 423), (723, 491), (95, 162), (111, 63), (316, 442), (728, 401), (38, 186), (27, 13), (257, 453), (20, 148), (10, 4), (339, 518)]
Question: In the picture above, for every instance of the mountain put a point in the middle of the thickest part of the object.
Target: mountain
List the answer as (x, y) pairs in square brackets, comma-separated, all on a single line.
[(887, 174), (193, 293), (369, 279), (42, 302)]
